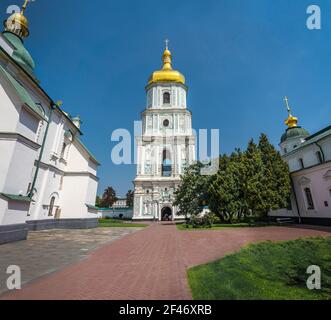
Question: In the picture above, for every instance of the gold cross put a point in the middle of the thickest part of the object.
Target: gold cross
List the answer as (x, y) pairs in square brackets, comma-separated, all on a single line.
[(24, 6), (166, 41), (287, 104)]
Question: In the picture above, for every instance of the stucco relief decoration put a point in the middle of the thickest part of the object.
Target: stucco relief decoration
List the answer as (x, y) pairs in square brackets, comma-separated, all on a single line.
[(327, 175), (304, 180)]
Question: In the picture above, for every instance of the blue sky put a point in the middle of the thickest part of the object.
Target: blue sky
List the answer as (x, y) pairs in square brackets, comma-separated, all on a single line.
[(240, 58)]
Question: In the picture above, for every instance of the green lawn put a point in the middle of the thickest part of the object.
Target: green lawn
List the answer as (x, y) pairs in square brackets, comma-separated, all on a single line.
[(114, 223), (219, 226), (265, 271)]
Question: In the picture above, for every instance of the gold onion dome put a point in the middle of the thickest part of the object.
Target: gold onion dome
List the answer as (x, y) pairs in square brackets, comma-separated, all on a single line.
[(291, 121), (167, 74), (17, 23), (293, 131)]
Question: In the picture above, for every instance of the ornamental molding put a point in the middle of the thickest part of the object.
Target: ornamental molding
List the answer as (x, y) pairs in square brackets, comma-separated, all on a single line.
[(304, 180), (327, 175), (19, 138)]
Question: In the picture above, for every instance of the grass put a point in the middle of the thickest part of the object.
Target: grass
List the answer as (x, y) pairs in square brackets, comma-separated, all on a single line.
[(265, 271), (219, 226), (115, 223)]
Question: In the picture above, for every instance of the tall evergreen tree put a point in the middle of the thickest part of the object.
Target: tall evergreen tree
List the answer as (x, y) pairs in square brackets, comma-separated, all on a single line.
[(253, 178), (277, 183), (224, 192)]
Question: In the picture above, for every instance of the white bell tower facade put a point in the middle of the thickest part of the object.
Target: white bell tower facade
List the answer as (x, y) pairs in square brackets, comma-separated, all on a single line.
[(166, 147)]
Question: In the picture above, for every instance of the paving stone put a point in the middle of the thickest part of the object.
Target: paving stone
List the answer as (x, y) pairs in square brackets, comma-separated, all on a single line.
[(150, 264), (47, 251)]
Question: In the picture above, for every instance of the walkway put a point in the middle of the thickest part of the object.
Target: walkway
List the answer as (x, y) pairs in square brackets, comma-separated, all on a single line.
[(150, 264)]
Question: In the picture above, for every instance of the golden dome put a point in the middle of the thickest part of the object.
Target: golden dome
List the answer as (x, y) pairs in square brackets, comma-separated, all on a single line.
[(17, 23), (167, 74), (291, 121)]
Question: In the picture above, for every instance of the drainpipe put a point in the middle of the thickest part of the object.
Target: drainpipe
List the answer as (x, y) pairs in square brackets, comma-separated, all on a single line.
[(295, 198), (30, 195)]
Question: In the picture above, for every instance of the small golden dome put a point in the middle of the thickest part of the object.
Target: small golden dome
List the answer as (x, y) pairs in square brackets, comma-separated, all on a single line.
[(17, 23), (291, 121), (167, 74)]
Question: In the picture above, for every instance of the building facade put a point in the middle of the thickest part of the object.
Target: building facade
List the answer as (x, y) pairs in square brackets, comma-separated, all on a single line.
[(309, 160), (119, 210), (47, 175), (167, 144)]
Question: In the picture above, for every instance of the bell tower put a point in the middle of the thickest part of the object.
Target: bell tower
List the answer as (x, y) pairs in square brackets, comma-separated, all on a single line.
[(167, 144)]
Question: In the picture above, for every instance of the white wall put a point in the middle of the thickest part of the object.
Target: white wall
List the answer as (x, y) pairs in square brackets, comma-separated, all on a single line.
[(320, 187), (15, 212)]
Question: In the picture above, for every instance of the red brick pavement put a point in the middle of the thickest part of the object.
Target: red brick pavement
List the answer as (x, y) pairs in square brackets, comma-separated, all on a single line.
[(150, 264)]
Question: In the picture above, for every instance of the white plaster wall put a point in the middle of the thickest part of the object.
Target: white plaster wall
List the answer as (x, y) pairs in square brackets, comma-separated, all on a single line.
[(6, 153), (3, 209), (47, 185), (77, 192), (15, 212), (91, 191), (320, 188), (28, 125), (9, 107), (19, 170), (177, 98), (77, 160)]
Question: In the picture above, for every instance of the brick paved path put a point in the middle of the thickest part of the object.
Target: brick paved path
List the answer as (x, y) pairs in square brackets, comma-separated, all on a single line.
[(51, 250), (150, 264)]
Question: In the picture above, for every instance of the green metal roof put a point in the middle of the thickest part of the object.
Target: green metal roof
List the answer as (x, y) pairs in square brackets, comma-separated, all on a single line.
[(14, 197), (20, 54), (22, 93), (293, 133), (92, 207), (316, 137)]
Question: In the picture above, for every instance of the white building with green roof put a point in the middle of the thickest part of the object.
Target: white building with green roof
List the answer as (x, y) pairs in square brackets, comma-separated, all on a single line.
[(48, 178), (309, 160)]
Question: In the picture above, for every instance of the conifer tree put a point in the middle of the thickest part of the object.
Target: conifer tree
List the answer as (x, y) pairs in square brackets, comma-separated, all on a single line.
[(277, 189)]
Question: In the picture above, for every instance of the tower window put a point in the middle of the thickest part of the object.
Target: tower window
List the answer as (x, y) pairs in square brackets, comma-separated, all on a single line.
[(302, 166), (166, 123), (166, 98), (309, 198), (166, 164), (51, 207)]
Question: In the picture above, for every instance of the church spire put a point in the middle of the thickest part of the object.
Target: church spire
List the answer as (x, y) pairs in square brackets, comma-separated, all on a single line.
[(167, 73), (17, 23), (166, 57), (291, 121)]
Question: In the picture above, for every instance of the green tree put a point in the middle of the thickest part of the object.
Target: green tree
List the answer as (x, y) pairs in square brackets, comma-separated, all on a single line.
[(129, 198), (191, 195), (253, 179), (108, 198), (97, 201), (276, 193), (224, 192)]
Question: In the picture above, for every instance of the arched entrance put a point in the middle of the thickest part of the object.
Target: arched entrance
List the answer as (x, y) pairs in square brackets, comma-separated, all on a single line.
[(166, 214)]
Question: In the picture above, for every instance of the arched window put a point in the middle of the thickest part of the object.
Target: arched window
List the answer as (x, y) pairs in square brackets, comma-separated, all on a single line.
[(51, 207), (166, 98), (166, 164), (309, 198)]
